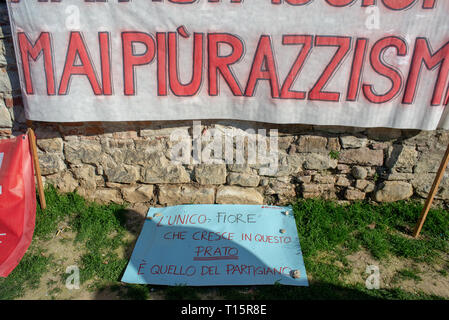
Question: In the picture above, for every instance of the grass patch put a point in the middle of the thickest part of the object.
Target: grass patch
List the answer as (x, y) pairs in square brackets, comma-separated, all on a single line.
[(99, 232), (443, 272), (26, 275), (325, 225), (60, 207), (328, 233), (408, 274), (334, 155)]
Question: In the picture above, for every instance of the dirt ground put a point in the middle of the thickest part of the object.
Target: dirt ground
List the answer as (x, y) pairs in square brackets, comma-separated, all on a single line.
[(432, 281), (429, 279)]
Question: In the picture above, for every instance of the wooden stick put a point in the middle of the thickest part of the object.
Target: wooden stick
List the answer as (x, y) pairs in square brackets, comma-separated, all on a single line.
[(432, 193), (37, 168)]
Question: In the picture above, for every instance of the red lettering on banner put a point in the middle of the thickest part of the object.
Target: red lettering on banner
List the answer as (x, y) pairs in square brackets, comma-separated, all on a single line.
[(356, 70), (232, 1), (131, 59), (222, 64), (161, 40), (292, 2), (423, 55), (182, 1), (165, 49), (340, 3), (194, 85), (398, 4), (105, 55), (306, 42), (263, 68), (343, 44), (77, 49), (429, 4), (28, 50), (390, 72), (367, 3)]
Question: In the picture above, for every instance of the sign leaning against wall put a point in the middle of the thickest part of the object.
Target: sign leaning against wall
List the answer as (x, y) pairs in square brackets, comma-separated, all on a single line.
[(327, 62)]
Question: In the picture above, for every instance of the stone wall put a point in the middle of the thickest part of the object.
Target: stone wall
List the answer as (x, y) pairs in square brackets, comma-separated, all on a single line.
[(131, 161)]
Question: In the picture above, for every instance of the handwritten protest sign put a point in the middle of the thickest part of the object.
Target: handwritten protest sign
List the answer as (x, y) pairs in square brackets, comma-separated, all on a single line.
[(201, 245)]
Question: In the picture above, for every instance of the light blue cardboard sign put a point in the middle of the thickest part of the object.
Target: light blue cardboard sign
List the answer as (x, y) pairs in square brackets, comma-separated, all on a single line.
[(205, 245)]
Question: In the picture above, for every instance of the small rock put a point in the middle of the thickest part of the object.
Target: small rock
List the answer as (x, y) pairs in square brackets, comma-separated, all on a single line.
[(243, 179), (207, 174), (311, 188), (51, 163), (296, 274), (365, 185), (333, 144), (122, 174), (391, 191), (359, 172), (239, 195), (305, 179), (401, 158), (353, 194), (342, 181), (317, 161), (5, 117), (362, 156), (343, 168), (312, 144), (107, 195), (351, 142), (160, 170), (185, 194), (324, 179), (137, 194)]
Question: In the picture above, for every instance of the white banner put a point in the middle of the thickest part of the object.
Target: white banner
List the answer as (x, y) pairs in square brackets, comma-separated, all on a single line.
[(364, 63)]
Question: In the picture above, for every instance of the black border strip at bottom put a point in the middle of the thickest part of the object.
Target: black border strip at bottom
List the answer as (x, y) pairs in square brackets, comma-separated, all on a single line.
[(222, 309)]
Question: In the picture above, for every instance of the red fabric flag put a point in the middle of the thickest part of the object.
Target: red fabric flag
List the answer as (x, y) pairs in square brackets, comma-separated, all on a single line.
[(17, 201)]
